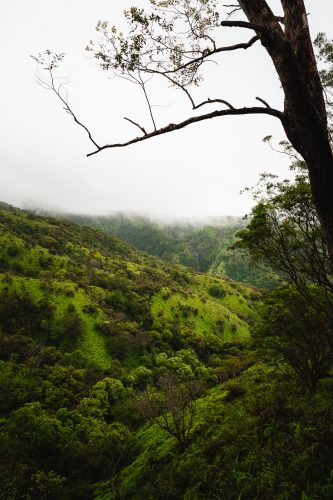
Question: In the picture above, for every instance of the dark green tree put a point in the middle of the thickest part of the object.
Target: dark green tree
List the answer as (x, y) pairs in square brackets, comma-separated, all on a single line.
[(284, 233), (289, 333)]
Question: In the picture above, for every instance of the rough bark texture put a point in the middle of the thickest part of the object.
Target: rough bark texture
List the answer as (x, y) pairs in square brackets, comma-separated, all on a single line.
[(304, 118)]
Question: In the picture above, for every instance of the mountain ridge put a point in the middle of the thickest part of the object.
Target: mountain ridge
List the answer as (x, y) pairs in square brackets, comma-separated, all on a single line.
[(205, 246)]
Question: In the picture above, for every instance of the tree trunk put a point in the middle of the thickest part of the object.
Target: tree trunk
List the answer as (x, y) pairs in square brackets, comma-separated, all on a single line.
[(304, 117)]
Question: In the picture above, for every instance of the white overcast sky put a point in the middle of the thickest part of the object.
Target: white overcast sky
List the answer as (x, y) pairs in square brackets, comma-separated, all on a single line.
[(198, 171)]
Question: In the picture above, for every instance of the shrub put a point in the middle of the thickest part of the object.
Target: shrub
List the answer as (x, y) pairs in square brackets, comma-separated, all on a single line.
[(216, 291)]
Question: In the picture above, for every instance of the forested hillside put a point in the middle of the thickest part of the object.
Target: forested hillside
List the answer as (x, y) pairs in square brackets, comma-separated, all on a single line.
[(87, 323), (203, 246), (122, 376)]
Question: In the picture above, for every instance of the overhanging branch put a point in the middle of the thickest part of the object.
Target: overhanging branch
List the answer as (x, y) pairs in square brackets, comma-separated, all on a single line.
[(195, 119)]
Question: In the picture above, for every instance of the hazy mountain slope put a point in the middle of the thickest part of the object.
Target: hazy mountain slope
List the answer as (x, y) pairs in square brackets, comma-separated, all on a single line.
[(202, 245)]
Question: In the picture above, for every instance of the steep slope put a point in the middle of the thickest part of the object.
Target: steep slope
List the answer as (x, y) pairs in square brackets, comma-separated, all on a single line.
[(86, 324), (103, 283)]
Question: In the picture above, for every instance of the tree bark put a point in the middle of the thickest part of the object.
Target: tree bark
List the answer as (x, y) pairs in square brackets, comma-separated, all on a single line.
[(304, 118)]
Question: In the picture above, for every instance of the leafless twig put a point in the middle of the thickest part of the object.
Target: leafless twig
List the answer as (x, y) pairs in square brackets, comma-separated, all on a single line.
[(136, 124), (69, 110), (143, 86), (263, 102)]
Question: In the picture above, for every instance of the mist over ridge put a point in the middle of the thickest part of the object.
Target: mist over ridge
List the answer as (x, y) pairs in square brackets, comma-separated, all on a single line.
[(155, 218)]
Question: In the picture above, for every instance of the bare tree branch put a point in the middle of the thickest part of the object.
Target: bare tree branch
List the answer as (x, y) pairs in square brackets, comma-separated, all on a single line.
[(237, 46), (182, 87), (229, 14), (243, 24), (211, 101), (196, 106), (67, 108), (177, 126), (263, 102), (143, 86), (136, 124), (234, 7)]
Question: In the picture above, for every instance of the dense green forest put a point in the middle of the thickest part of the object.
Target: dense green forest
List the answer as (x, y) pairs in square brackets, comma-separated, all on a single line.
[(124, 376), (87, 323), (204, 246)]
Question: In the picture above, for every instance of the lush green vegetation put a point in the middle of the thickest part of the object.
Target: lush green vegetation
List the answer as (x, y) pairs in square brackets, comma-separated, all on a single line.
[(124, 376), (205, 247), (86, 324)]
